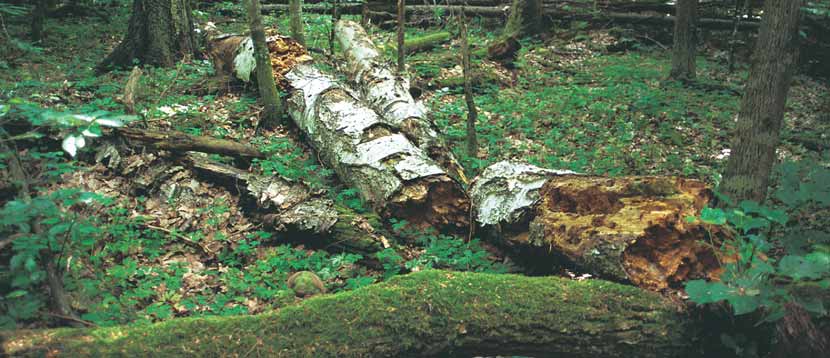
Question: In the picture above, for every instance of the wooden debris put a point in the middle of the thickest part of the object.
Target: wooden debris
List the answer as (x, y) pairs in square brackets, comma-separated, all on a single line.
[(394, 176), (626, 229)]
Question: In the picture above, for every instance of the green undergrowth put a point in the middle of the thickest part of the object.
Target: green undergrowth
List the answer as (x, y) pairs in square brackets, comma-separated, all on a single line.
[(405, 315)]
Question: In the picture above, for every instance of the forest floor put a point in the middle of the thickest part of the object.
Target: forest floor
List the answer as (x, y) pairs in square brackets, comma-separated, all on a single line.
[(570, 103)]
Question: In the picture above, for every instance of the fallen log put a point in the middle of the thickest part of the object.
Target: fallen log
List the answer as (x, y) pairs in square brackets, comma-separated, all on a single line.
[(424, 43), (394, 176), (178, 141), (630, 229), (291, 206), (430, 313), (388, 95)]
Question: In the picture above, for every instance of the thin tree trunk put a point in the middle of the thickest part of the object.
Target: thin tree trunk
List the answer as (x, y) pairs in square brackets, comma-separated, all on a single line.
[(264, 75), (296, 15), (38, 18), (762, 108), (401, 24), (472, 112), (684, 50), (335, 15)]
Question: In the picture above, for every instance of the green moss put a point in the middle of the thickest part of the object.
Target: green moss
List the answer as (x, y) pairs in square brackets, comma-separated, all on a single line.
[(424, 313)]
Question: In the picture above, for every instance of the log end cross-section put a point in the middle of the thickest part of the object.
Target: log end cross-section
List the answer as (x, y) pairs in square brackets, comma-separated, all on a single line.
[(631, 228)]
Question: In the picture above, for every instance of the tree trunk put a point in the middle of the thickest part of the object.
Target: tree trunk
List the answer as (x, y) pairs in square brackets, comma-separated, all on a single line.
[(430, 313), (472, 112), (762, 108), (400, 43), (525, 18), (269, 96), (296, 14), (159, 33), (395, 177), (685, 41), (629, 229), (388, 95), (38, 18)]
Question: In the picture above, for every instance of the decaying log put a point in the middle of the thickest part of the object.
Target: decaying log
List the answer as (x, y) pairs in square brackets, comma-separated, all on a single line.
[(178, 141), (625, 229), (429, 313), (291, 206), (234, 55), (394, 176), (426, 42), (388, 95)]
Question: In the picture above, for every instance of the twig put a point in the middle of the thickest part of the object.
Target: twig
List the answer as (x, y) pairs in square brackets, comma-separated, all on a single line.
[(74, 319)]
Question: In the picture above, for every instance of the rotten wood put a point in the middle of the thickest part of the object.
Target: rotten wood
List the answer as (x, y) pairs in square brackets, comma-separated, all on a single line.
[(630, 229)]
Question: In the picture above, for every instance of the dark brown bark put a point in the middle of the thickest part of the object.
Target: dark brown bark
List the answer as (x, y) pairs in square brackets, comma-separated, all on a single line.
[(265, 76), (685, 41), (159, 33), (472, 112), (762, 108)]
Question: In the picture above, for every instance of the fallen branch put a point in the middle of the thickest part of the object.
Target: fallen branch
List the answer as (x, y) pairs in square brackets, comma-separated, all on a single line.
[(178, 141), (430, 313)]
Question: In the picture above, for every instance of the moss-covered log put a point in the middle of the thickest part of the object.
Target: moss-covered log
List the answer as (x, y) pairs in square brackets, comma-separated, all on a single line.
[(425, 42), (291, 206), (394, 176), (625, 229), (429, 313), (388, 95)]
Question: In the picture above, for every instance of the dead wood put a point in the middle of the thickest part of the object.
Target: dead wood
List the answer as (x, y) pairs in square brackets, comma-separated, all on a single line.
[(625, 229), (182, 142)]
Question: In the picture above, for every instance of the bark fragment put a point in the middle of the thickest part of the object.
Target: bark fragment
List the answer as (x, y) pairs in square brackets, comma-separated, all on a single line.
[(394, 176), (388, 95)]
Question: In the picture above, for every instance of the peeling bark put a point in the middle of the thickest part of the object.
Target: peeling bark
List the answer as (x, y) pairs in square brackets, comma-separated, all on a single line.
[(624, 229), (395, 177), (388, 95)]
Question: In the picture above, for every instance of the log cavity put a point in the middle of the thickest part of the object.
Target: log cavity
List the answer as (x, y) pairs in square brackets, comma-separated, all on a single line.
[(627, 229), (436, 201)]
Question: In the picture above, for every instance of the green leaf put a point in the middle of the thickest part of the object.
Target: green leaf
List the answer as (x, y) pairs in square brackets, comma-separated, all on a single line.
[(743, 304), (17, 293), (798, 267), (713, 216), (703, 292)]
